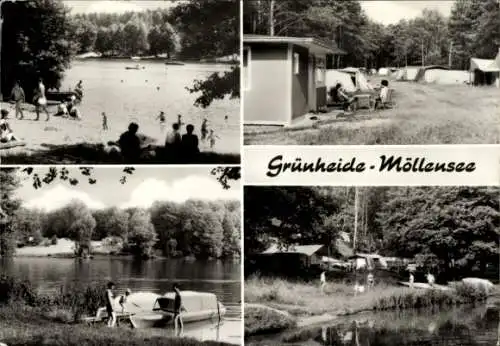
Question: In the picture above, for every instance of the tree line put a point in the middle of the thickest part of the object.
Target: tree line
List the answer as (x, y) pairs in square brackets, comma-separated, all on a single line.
[(472, 30), (437, 226), (201, 229)]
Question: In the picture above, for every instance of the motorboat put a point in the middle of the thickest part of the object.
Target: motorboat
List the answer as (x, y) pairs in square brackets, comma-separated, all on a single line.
[(136, 67), (200, 306), (150, 310)]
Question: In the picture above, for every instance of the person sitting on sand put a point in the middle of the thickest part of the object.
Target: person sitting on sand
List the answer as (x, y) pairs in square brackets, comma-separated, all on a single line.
[(62, 109), (19, 98), (173, 139), (212, 138), (130, 144), (104, 121), (189, 144), (6, 133)]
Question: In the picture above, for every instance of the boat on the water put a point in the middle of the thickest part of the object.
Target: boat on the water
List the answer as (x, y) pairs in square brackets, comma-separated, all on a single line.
[(149, 310), (136, 67), (174, 63), (136, 58)]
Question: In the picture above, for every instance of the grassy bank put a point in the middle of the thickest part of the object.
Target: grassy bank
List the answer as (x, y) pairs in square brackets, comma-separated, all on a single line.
[(23, 325), (305, 301), (424, 114), (29, 318)]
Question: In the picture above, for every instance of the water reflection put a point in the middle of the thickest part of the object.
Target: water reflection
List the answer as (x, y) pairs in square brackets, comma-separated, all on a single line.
[(463, 326)]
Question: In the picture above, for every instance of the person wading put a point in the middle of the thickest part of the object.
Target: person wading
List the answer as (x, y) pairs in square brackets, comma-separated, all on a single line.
[(178, 309)]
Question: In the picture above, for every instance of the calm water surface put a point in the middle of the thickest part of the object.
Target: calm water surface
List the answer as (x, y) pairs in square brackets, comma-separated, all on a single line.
[(463, 326), (139, 95), (221, 278)]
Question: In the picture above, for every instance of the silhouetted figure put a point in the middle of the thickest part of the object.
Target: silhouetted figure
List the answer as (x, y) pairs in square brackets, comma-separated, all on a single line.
[(162, 118), (179, 120), (189, 144), (130, 144), (173, 142), (212, 138)]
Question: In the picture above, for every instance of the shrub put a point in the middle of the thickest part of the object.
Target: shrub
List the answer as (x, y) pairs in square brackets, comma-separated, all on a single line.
[(14, 290)]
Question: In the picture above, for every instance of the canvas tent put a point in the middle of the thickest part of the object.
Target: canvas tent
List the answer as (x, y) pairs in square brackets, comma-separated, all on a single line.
[(485, 71), (423, 70), (383, 71), (447, 77), (408, 73), (334, 76)]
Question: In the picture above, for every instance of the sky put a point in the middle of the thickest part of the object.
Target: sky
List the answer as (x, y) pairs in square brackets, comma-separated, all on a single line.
[(145, 186), (391, 12), (385, 12), (116, 6)]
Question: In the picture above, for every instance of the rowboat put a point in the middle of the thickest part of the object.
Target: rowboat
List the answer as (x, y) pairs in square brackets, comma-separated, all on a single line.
[(174, 63)]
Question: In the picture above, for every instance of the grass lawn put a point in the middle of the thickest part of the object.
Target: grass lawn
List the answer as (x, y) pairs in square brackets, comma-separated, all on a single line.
[(305, 302), (28, 326), (423, 114)]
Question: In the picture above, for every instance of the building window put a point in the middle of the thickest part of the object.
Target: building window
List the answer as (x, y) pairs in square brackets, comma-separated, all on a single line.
[(246, 68), (296, 62), (320, 70)]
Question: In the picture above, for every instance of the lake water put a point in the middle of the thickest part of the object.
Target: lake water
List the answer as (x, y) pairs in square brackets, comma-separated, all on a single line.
[(221, 278), (461, 326), (140, 95)]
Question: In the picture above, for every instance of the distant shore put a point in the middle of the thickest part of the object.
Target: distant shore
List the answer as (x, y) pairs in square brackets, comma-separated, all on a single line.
[(162, 59)]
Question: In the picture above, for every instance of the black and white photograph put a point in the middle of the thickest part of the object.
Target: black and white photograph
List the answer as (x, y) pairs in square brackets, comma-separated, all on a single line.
[(112, 82), (371, 265), (120, 256), (371, 72)]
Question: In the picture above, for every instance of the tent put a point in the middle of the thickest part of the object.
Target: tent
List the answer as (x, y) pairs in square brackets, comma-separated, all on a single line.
[(401, 74), (423, 70), (334, 76), (411, 73), (485, 71), (447, 77), (383, 71)]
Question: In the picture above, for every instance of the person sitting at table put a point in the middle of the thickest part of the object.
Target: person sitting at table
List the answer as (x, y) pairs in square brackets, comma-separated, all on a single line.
[(339, 95)]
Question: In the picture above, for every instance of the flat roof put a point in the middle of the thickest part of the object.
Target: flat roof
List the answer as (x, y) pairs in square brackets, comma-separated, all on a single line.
[(311, 43)]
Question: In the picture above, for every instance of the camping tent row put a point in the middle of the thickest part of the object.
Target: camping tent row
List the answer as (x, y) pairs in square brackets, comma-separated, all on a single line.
[(433, 74), (351, 78)]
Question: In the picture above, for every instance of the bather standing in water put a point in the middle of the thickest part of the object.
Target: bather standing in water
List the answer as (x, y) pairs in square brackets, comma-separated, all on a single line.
[(430, 279), (161, 117), (322, 282), (412, 280), (178, 309)]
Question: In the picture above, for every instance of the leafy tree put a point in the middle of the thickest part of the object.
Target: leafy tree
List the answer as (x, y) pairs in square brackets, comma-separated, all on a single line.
[(111, 222), (141, 233), (85, 34), (217, 87), (27, 224), (8, 207), (36, 44)]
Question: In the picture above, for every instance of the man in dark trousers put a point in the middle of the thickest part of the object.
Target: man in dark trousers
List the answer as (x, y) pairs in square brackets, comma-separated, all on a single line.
[(178, 309), (18, 97)]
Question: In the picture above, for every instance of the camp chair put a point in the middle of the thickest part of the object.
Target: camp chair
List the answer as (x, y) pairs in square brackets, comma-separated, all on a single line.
[(364, 101), (389, 103)]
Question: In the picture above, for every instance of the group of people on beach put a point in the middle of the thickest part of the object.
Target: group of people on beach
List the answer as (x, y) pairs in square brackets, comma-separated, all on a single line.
[(123, 301)]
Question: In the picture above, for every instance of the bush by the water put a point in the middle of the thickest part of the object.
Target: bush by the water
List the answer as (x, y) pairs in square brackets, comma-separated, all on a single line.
[(261, 320), (68, 303)]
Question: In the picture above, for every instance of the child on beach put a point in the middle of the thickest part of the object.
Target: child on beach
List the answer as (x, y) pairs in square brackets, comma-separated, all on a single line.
[(211, 138), (41, 101), (104, 122), (6, 133)]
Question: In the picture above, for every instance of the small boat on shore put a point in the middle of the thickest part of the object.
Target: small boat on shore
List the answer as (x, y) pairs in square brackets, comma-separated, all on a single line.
[(200, 306), (59, 96), (421, 285)]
